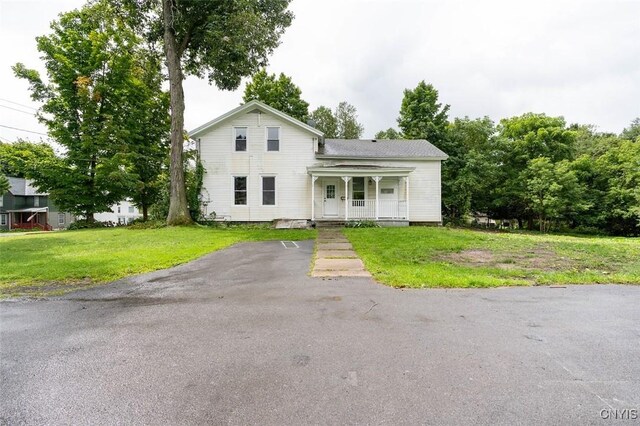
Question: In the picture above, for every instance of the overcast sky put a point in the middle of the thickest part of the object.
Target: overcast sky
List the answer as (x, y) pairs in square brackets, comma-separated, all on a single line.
[(579, 59)]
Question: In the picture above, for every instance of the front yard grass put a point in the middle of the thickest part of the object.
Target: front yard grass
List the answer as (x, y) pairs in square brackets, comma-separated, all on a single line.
[(442, 257), (53, 263)]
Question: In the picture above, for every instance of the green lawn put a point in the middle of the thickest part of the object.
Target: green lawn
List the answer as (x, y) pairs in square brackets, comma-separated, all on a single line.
[(441, 257), (51, 263)]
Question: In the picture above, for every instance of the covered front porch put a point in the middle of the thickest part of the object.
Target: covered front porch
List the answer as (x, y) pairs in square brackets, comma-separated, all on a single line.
[(359, 193), (31, 218)]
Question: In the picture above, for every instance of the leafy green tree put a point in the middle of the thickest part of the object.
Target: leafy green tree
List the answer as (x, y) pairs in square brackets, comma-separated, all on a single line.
[(619, 171), (278, 92), (467, 173), (390, 134), (347, 119), (4, 184), (222, 40), (340, 124), (541, 189), (325, 121), (520, 140), (21, 158), (96, 104), (632, 132), (423, 117)]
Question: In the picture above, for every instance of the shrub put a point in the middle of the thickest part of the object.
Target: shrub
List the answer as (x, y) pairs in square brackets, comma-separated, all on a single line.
[(361, 224)]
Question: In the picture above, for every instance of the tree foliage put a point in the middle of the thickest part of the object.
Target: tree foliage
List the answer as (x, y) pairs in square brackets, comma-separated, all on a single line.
[(390, 133), (339, 124), (22, 158), (632, 132), (278, 92), (422, 116), (4, 184), (101, 99), (222, 41)]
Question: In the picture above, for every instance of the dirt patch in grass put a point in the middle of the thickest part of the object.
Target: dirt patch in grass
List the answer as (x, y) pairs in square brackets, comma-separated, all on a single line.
[(538, 258)]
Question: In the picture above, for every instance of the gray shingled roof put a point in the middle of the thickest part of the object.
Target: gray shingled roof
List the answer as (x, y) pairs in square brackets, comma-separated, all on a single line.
[(20, 186), (380, 148)]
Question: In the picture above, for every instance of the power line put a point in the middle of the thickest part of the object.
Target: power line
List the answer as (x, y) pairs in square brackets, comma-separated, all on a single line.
[(16, 109), (24, 130), (16, 103)]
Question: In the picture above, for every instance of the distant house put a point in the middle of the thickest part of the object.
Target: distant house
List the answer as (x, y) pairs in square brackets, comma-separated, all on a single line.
[(24, 207), (262, 164), (122, 213)]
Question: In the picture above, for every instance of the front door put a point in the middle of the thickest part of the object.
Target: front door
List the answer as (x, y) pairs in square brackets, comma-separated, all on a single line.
[(388, 197), (331, 197)]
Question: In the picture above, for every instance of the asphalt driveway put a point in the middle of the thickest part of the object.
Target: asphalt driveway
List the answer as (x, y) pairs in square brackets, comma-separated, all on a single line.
[(244, 336)]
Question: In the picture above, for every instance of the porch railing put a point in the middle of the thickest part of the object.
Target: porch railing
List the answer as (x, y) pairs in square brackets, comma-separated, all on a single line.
[(387, 209), (28, 225)]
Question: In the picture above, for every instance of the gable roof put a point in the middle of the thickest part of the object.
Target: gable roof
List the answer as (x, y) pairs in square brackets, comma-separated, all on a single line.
[(381, 149), (24, 187), (248, 107)]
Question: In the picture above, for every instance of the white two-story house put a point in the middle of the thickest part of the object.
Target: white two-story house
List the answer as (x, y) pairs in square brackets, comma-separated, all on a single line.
[(262, 165)]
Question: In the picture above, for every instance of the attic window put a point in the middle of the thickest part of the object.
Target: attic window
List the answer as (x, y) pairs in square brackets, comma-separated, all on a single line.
[(240, 137)]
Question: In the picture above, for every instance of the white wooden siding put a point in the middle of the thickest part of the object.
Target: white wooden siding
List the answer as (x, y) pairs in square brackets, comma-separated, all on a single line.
[(289, 166)]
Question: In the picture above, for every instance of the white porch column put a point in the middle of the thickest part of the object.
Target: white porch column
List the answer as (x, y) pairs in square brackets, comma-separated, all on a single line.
[(313, 197), (346, 180), (377, 179), (406, 185)]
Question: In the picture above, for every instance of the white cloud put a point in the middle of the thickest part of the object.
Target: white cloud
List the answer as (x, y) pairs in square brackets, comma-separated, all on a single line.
[(497, 58)]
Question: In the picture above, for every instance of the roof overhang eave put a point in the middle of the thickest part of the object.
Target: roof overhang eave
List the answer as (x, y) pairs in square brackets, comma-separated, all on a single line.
[(342, 157), (359, 172)]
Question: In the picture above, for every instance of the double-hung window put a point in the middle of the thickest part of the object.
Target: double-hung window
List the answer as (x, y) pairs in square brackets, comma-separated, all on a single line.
[(36, 201), (240, 190), (3, 219), (61, 218), (273, 138), (268, 190), (240, 138), (357, 191)]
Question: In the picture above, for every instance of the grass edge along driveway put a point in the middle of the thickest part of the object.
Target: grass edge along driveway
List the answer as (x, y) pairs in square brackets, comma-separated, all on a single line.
[(57, 262), (442, 257)]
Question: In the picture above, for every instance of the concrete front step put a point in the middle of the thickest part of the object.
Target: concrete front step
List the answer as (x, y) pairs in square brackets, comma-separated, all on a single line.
[(335, 246), (324, 254), (339, 264), (322, 273)]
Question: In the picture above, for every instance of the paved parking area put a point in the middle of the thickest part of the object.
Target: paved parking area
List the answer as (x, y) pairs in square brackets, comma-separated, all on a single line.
[(245, 336)]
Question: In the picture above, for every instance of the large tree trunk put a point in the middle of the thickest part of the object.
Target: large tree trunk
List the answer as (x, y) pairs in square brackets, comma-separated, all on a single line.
[(145, 212), (178, 207)]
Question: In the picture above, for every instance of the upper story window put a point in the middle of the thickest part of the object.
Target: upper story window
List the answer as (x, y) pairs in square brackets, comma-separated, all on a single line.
[(240, 138), (61, 218), (1, 200), (36, 201), (268, 191), (118, 208), (240, 190), (273, 138), (131, 209)]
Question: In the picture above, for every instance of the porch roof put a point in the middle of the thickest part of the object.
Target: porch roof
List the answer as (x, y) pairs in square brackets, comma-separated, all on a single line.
[(30, 210), (359, 170)]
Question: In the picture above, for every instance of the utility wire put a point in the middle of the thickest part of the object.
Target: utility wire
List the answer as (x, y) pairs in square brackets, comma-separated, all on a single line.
[(16, 109), (15, 103), (23, 130)]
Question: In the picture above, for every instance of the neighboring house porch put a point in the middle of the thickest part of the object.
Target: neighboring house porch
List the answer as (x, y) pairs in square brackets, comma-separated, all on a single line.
[(360, 192), (31, 218)]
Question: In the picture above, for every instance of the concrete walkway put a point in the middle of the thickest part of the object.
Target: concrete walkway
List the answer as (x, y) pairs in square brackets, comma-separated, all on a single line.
[(335, 256)]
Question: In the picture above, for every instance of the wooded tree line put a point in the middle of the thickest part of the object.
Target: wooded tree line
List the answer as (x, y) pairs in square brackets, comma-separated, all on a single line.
[(122, 136)]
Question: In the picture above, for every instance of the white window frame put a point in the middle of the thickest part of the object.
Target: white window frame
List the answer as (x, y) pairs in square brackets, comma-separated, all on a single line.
[(132, 210), (233, 190), (266, 138), (3, 219), (63, 217), (1, 200), (233, 139), (275, 190), (36, 201), (366, 189)]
